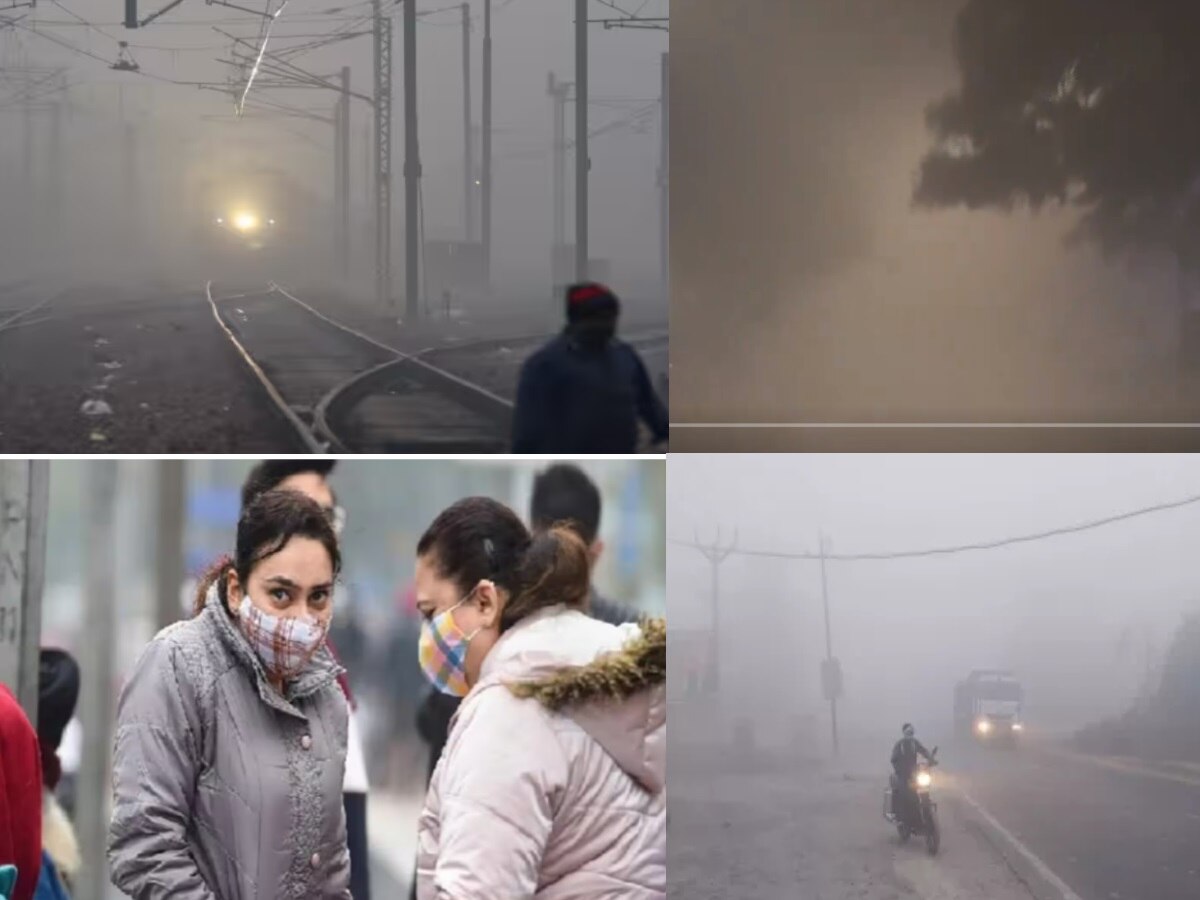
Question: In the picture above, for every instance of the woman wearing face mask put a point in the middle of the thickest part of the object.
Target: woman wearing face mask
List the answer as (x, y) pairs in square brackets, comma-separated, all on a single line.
[(552, 782), (231, 732)]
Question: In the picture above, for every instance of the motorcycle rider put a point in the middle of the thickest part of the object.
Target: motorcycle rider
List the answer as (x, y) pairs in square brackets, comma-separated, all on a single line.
[(904, 762)]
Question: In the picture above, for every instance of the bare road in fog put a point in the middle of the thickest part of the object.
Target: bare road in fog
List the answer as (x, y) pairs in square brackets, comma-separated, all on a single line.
[(1108, 828), (1034, 823)]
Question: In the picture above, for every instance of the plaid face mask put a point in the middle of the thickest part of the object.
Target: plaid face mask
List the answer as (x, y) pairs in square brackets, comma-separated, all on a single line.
[(442, 650), (285, 645)]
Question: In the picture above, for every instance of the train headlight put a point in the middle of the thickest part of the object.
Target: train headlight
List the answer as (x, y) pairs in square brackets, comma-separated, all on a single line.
[(245, 221)]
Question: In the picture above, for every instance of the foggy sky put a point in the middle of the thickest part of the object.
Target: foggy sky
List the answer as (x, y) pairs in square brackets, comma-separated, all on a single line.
[(906, 631), (530, 39), (806, 285)]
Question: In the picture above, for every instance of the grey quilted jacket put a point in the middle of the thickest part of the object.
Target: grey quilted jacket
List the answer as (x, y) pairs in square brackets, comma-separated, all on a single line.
[(222, 788)]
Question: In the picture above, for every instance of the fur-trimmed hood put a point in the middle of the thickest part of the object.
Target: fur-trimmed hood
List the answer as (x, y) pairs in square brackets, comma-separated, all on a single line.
[(609, 679)]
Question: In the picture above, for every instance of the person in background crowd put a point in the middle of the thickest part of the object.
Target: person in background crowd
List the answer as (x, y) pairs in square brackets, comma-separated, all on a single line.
[(563, 494), (311, 478), (20, 796), (58, 693), (585, 391), (553, 780), (230, 747)]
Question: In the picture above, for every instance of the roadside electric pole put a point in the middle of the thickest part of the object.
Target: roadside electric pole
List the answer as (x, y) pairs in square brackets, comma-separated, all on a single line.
[(581, 140), (468, 155), (716, 554), (24, 502), (831, 671), (383, 155), (486, 178), (342, 154), (664, 162), (412, 168)]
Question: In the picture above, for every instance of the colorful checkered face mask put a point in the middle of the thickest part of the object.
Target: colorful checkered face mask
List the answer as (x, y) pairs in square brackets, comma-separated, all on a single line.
[(443, 651), (285, 645)]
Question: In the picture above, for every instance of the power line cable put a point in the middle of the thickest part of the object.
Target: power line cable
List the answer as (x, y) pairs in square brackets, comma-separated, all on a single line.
[(968, 548)]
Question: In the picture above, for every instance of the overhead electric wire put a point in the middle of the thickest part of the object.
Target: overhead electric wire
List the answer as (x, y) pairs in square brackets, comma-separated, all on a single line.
[(967, 548)]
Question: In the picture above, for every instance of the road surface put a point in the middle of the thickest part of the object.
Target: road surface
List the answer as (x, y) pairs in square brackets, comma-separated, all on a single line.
[(1110, 830), (1040, 823)]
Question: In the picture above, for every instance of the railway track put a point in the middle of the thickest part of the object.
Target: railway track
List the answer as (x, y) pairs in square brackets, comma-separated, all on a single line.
[(22, 317), (344, 391)]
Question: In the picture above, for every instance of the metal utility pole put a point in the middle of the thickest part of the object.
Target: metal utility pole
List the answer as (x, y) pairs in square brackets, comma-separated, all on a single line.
[(832, 680), (664, 161), (24, 500), (57, 173), (487, 147), (342, 144), (412, 167), (716, 554), (97, 663), (581, 140), (169, 565), (30, 191), (559, 91), (383, 155), (468, 154)]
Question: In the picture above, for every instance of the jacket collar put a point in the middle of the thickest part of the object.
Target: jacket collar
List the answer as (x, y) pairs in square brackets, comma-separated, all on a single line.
[(321, 671)]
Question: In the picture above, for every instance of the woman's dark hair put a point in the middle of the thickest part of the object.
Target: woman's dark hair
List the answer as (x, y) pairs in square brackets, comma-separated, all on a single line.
[(479, 538), (266, 525)]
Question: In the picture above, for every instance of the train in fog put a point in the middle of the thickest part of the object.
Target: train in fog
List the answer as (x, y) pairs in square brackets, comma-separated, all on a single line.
[(244, 210)]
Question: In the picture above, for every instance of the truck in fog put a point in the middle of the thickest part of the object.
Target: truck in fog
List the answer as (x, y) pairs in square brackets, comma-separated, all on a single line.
[(987, 707)]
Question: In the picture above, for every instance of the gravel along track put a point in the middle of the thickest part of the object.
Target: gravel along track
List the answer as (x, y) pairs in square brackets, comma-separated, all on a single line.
[(105, 369)]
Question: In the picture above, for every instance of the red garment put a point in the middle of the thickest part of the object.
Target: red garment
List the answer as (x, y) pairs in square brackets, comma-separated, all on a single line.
[(20, 796)]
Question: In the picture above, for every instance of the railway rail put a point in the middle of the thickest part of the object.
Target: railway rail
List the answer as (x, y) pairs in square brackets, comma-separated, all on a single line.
[(342, 390)]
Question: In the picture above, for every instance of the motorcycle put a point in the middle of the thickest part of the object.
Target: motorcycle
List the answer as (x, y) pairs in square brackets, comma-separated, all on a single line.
[(925, 823)]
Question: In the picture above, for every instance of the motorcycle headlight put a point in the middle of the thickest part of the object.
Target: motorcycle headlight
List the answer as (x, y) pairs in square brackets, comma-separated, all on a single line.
[(983, 726), (924, 779)]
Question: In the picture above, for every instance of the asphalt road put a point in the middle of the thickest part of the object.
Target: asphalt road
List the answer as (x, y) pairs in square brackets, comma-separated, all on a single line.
[(1039, 823), (1109, 830)]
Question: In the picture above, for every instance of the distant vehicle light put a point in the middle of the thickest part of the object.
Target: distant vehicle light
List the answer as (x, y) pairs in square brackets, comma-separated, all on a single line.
[(983, 726), (245, 221), (220, 221), (270, 221), (924, 779), (1017, 726)]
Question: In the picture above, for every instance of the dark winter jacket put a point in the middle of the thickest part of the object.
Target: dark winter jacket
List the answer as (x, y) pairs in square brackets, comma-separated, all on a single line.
[(610, 611), (223, 788), (576, 400), (904, 756)]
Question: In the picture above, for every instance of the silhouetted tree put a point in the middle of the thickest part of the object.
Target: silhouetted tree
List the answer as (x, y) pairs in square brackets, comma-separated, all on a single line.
[(1093, 104)]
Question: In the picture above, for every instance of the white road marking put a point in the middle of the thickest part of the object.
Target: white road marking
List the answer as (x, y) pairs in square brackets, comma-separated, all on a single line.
[(1030, 857)]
